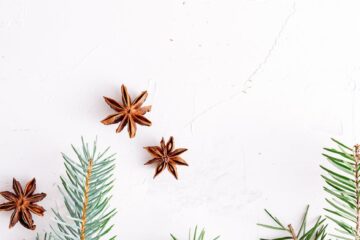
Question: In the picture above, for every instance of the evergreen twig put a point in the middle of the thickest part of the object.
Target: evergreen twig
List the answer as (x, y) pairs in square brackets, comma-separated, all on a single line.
[(195, 235), (86, 192), (342, 183), (316, 232)]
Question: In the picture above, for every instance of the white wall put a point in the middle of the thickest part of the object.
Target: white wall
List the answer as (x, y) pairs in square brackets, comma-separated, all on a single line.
[(254, 89)]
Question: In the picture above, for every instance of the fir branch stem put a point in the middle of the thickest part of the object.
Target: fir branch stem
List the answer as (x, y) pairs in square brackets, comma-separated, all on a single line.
[(86, 199), (357, 161), (292, 232)]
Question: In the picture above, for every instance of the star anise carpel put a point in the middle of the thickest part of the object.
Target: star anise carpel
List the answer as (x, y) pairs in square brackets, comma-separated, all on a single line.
[(166, 156), (23, 203), (128, 112)]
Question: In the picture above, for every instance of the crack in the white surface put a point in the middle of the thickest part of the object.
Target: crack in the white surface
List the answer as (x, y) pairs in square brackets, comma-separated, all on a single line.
[(152, 85), (194, 109), (208, 109), (84, 57), (248, 83)]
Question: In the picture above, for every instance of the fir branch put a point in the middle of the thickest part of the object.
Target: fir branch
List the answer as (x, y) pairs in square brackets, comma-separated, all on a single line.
[(316, 232), (86, 191), (342, 183), (195, 235)]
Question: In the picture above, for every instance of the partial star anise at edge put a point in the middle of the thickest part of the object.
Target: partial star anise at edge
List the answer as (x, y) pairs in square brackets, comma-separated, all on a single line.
[(165, 156), (129, 112), (23, 202)]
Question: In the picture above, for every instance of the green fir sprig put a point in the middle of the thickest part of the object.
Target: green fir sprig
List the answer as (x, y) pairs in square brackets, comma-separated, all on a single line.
[(342, 183), (86, 192), (196, 235), (287, 231)]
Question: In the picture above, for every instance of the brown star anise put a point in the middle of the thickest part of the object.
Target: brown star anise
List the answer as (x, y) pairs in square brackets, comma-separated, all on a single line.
[(23, 202), (166, 157), (129, 112)]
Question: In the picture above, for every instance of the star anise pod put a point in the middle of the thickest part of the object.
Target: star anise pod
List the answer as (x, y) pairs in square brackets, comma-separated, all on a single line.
[(129, 112), (23, 202), (165, 156)]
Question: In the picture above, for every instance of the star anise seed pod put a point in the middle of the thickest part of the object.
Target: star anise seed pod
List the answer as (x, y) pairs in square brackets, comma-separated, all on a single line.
[(23, 202), (129, 112), (165, 156)]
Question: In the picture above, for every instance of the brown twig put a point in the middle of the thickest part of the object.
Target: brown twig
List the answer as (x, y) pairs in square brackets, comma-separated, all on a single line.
[(86, 199), (357, 162), (292, 232)]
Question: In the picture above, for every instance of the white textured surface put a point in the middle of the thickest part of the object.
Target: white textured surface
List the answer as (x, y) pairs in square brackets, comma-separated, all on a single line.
[(253, 88)]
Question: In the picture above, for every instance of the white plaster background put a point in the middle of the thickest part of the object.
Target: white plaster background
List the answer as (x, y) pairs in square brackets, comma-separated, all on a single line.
[(254, 89)]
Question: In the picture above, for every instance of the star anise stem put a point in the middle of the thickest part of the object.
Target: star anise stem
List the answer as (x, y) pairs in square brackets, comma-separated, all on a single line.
[(86, 200)]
